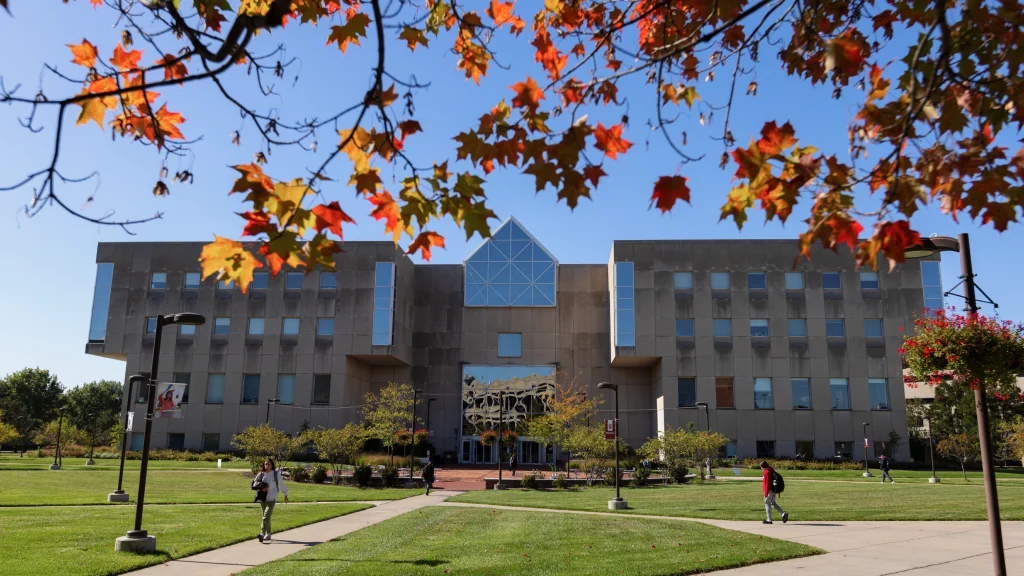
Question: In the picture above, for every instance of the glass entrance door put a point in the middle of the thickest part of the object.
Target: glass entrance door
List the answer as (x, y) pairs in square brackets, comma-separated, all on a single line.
[(473, 452)]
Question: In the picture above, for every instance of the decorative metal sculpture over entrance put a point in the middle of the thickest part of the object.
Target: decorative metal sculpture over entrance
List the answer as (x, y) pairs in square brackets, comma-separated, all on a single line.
[(511, 269)]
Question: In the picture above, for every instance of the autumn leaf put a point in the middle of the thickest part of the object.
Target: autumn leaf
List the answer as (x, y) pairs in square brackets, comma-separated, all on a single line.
[(330, 217), (667, 190), (676, 94), (92, 109), (168, 122), (610, 141), (424, 242), (501, 13), (387, 209), (257, 222), (85, 54), (366, 182), (408, 127), (125, 60), (544, 173), (528, 94), (593, 174), (350, 31), (229, 260), (413, 36), (282, 250), (775, 139), (172, 71)]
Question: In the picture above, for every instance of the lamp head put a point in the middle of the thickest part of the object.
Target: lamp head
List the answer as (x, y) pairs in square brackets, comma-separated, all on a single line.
[(419, 391), (928, 246), (187, 318), (866, 423), (137, 378), (608, 385), (701, 404)]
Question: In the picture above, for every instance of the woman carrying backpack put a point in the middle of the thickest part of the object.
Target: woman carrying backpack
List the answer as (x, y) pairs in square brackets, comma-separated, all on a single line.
[(267, 485), (768, 483)]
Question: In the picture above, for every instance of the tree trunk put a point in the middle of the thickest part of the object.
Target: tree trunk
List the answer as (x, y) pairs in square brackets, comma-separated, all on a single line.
[(964, 470)]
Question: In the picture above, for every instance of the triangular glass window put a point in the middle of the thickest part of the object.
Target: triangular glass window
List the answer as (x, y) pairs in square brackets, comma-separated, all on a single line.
[(511, 269)]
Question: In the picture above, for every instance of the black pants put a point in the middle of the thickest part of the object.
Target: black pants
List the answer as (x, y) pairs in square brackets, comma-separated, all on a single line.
[(885, 474)]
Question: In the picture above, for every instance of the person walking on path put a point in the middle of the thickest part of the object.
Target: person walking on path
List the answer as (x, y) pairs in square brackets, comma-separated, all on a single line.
[(271, 483), (768, 487), (428, 475), (512, 463), (883, 463)]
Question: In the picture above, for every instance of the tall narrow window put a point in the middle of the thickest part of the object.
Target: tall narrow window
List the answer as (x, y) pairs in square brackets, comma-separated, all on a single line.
[(869, 280), (192, 280), (757, 280), (840, 390), (763, 393), (759, 327), (724, 392), (873, 328), (722, 327), (683, 280), (625, 318), (158, 281), (879, 393), (684, 328), (151, 325), (251, 389), (321, 389), (834, 329), (797, 327), (801, 394), (719, 280), (794, 280), (286, 388), (260, 281), (687, 388), (293, 281), (831, 281), (101, 302), (931, 281), (383, 304), (215, 389), (328, 281)]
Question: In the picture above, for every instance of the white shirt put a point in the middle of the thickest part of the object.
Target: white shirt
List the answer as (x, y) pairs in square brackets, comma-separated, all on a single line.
[(274, 483)]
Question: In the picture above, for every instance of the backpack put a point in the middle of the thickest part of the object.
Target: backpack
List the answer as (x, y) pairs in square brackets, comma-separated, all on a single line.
[(778, 483)]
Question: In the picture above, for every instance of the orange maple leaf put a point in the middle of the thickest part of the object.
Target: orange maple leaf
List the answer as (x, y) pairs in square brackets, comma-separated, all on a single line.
[(350, 31), (424, 242), (502, 14), (610, 141), (528, 94), (85, 53), (96, 3), (408, 127), (896, 237), (667, 190), (174, 70), (775, 139), (330, 217), (168, 122), (257, 222), (388, 210), (229, 260), (125, 60)]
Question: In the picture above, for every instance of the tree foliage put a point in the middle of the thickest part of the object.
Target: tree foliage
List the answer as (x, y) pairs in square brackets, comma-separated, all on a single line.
[(1015, 439), (569, 414), (962, 447), (259, 443), (65, 432), (387, 413), (338, 446), (681, 447), (589, 445), (30, 397), (8, 433), (94, 408), (930, 126)]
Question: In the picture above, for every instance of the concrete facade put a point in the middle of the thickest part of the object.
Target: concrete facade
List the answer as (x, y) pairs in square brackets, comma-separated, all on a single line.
[(435, 335)]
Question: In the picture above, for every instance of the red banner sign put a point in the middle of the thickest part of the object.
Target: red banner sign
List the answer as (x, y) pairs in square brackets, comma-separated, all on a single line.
[(609, 429)]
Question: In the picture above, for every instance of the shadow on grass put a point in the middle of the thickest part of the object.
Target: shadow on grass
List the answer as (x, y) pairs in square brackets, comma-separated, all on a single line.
[(431, 563)]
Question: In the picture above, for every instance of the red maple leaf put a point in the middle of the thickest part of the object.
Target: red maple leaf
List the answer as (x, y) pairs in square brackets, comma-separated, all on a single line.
[(528, 94), (330, 217), (610, 141), (667, 190), (424, 242), (257, 223)]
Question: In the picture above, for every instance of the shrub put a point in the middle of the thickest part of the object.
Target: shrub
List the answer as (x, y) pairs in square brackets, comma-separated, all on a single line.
[(640, 476), (560, 481), (755, 463), (362, 475), (319, 474), (529, 481), (609, 477), (677, 472), (298, 474), (373, 460), (389, 476)]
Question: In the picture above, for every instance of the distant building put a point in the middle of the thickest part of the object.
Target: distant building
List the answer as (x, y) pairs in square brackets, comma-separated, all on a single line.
[(789, 361)]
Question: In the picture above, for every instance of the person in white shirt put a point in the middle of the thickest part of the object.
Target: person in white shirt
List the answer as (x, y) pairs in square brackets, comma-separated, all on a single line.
[(274, 483)]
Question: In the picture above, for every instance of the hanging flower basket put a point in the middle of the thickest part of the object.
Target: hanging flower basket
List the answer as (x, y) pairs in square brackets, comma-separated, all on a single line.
[(488, 437), (421, 436), (509, 438), (403, 437)]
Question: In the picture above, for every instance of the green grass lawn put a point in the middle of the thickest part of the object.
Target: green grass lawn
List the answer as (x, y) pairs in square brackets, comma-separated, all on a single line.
[(466, 541), (31, 462), (45, 487), (1009, 475), (80, 541), (804, 500)]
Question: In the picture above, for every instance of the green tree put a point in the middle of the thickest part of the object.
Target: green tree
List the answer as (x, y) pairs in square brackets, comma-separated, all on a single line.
[(589, 445), (570, 412), (259, 443), (679, 447), (962, 447), (8, 433), (66, 432), (30, 397), (94, 408), (388, 412), (338, 446)]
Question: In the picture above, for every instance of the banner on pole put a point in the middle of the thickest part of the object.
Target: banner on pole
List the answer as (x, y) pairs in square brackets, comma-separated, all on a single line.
[(865, 442), (131, 421), (168, 400), (609, 429)]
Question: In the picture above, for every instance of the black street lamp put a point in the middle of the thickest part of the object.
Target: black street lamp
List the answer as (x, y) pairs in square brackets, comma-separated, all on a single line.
[(501, 416), (120, 495), (138, 540), (412, 430), (618, 503), (962, 244), (269, 402), (867, 471), (57, 458), (429, 401), (707, 419), (931, 452)]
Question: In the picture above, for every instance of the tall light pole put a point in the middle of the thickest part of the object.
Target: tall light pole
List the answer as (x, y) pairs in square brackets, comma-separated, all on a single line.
[(867, 471), (120, 495), (618, 503), (138, 540), (429, 401), (962, 244), (931, 452), (57, 460), (412, 431), (501, 416), (707, 418)]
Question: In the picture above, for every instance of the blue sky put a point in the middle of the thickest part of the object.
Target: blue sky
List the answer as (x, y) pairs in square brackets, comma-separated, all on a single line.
[(50, 270)]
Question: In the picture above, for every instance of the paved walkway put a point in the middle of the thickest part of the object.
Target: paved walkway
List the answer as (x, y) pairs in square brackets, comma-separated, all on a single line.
[(237, 557)]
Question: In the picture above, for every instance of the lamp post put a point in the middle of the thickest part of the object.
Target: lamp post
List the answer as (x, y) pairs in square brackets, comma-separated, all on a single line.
[(501, 416), (931, 452), (269, 402), (138, 540), (429, 400), (962, 244), (57, 460), (707, 419), (120, 495), (867, 471), (618, 503), (412, 431)]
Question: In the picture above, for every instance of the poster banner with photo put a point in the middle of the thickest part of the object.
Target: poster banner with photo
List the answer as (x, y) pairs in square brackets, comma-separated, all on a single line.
[(168, 400), (131, 421)]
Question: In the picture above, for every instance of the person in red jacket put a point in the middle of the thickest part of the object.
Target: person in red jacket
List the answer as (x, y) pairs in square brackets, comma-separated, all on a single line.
[(767, 486)]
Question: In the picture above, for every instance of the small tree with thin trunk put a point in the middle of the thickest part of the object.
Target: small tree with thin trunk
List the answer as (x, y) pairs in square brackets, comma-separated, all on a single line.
[(959, 446), (387, 413), (259, 443), (337, 446), (67, 433), (8, 433), (569, 410)]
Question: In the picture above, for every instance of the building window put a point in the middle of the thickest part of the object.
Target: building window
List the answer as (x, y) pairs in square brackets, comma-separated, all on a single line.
[(186, 379), (719, 280), (383, 304), (251, 389), (878, 389), (724, 392), (730, 449), (215, 389), (187, 329), (175, 441), (831, 281), (290, 326), (834, 329), (158, 281), (101, 302), (510, 345), (192, 280), (683, 280), (869, 280), (293, 281), (931, 281), (794, 280), (840, 391), (256, 326), (763, 393), (844, 450), (260, 281), (142, 390), (222, 325), (328, 281), (687, 388), (804, 449), (321, 389), (151, 325), (722, 328), (286, 389), (873, 328), (625, 320), (759, 327), (684, 328), (211, 442), (757, 281), (226, 285), (801, 394), (511, 269), (797, 327), (138, 438), (325, 326), (766, 448)]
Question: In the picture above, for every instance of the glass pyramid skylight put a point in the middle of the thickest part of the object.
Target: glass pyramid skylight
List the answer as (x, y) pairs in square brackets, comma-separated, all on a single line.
[(510, 269)]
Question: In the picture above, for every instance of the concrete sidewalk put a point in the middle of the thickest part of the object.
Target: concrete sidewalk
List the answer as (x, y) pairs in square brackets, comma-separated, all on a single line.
[(235, 558)]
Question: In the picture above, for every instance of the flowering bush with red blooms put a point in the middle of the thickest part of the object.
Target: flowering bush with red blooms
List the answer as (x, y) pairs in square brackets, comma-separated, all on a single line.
[(950, 347), (488, 437), (509, 438), (403, 437), (421, 436)]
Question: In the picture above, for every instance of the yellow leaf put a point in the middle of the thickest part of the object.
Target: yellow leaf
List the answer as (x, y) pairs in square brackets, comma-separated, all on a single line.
[(92, 109), (350, 31), (287, 197), (229, 260), (413, 36)]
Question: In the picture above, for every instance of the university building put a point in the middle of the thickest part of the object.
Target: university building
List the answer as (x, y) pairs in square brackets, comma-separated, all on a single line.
[(725, 334)]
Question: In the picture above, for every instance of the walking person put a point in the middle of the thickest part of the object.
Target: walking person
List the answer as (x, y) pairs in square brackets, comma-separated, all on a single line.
[(883, 464), (428, 476), (769, 485), (512, 463), (268, 484)]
